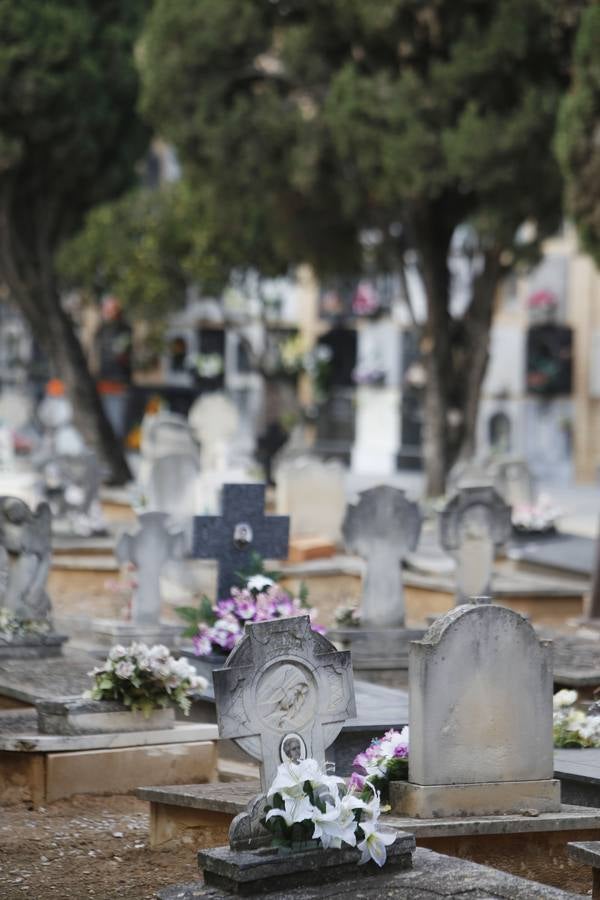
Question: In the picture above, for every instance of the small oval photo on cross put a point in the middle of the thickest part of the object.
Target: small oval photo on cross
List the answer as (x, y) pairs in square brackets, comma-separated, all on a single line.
[(292, 748)]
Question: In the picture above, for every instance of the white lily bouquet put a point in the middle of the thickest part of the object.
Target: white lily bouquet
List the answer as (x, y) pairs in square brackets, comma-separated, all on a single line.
[(307, 808), (145, 678)]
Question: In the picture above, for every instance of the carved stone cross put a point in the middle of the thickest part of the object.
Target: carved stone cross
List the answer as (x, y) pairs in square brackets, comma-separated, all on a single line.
[(285, 693), (148, 549), (474, 524), (382, 528), (241, 530)]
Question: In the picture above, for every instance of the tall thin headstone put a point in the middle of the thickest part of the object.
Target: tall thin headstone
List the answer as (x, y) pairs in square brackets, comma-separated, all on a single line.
[(240, 531), (149, 548), (382, 528), (475, 523)]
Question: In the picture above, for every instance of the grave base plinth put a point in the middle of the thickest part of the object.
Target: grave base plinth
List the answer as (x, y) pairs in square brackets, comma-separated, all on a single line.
[(379, 655), (433, 801), (75, 715), (105, 633), (251, 872), (43, 646)]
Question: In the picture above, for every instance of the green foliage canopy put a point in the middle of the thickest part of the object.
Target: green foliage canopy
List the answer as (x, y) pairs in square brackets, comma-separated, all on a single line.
[(578, 136), (69, 136), (307, 123)]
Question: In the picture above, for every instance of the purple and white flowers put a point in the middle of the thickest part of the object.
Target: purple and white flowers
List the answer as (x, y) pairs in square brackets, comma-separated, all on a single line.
[(145, 678), (261, 600), (305, 805), (384, 760)]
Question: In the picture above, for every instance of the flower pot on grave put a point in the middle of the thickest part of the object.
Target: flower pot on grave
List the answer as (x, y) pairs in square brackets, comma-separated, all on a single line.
[(76, 715)]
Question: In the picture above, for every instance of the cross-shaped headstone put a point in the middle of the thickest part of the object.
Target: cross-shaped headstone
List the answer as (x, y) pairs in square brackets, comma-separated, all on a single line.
[(240, 531), (148, 549), (474, 524), (284, 694), (382, 528)]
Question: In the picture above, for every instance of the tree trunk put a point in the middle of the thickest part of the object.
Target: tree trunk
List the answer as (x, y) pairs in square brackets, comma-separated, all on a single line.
[(595, 589), (26, 266), (455, 352), (61, 344)]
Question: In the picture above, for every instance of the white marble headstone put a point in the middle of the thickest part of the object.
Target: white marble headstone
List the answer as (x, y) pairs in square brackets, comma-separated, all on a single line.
[(285, 693), (312, 493)]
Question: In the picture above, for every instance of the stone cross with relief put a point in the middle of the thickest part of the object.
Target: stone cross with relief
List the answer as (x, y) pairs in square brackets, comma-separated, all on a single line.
[(240, 531), (148, 549), (382, 528), (284, 694), (474, 524)]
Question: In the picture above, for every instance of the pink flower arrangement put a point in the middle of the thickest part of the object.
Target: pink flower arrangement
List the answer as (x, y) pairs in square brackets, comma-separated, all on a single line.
[(384, 760), (260, 601), (365, 301)]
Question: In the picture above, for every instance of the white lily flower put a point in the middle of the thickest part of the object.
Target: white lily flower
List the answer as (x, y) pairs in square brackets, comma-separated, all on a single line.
[(290, 778), (297, 809), (374, 844)]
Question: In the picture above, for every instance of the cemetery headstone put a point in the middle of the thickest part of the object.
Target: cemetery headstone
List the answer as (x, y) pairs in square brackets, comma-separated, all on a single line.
[(173, 485), (312, 493), (25, 554), (149, 548), (284, 693), (162, 434), (473, 525), (241, 531), (382, 528), (513, 481), (72, 491), (214, 421), (480, 685)]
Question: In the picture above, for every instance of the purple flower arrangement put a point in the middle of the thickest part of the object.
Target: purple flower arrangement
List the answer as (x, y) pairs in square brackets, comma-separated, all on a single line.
[(384, 760), (261, 600)]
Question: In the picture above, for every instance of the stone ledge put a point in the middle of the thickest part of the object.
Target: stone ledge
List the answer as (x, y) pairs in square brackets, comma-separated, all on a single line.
[(230, 797), (432, 875), (570, 818), (434, 801), (248, 872)]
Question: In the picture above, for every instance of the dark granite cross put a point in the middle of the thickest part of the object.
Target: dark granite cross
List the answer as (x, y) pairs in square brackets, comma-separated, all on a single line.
[(241, 530)]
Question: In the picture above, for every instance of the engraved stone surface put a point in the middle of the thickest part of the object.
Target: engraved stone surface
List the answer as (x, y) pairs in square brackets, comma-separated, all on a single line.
[(474, 524), (148, 549), (285, 692), (240, 531), (382, 528)]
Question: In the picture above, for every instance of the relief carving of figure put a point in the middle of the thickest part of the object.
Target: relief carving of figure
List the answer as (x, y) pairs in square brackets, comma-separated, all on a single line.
[(283, 696), (24, 558)]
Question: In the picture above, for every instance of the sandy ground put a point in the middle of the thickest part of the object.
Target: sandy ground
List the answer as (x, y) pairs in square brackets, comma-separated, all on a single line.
[(86, 847)]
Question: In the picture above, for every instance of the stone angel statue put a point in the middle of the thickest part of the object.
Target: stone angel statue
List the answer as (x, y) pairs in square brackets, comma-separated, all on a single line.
[(25, 553)]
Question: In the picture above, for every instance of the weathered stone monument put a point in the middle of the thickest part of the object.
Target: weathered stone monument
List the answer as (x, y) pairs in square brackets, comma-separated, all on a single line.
[(214, 421), (72, 485), (25, 555), (148, 549), (480, 718), (381, 528), (173, 485), (474, 524), (284, 693), (513, 481), (163, 434), (312, 494), (240, 531)]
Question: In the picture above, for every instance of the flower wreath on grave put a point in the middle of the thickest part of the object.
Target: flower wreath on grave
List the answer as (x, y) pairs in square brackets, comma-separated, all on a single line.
[(260, 598), (384, 760), (307, 809), (145, 678), (575, 727), (12, 626)]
